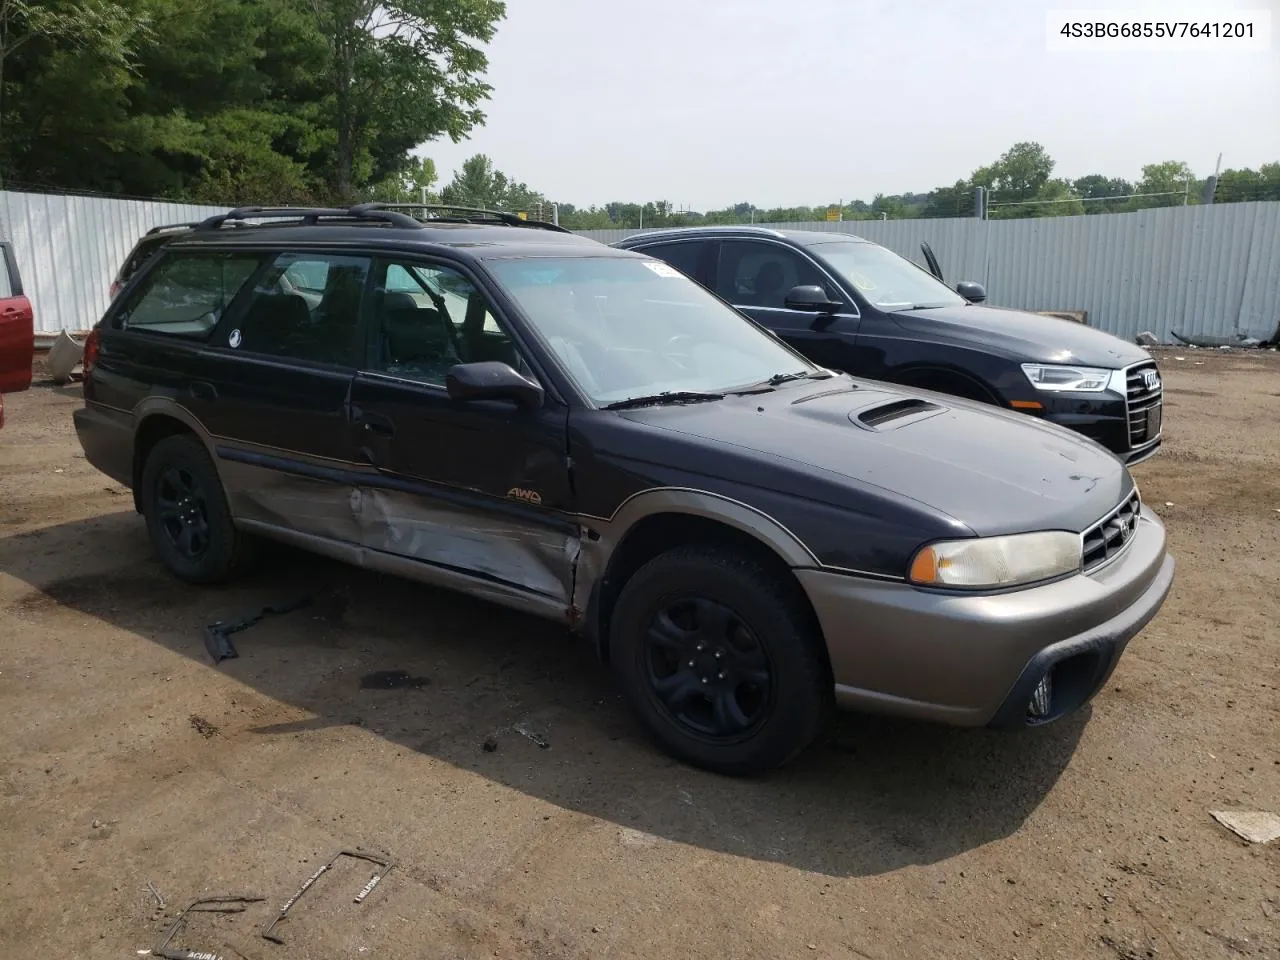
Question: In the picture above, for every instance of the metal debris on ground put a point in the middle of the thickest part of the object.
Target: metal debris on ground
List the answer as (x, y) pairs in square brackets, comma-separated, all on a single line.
[(1147, 339), (1211, 341), (203, 905), (156, 893), (528, 732), (385, 862), (1251, 825), (217, 635)]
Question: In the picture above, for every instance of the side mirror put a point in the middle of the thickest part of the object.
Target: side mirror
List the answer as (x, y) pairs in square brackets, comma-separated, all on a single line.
[(973, 292), (810, 298), (492, 380)]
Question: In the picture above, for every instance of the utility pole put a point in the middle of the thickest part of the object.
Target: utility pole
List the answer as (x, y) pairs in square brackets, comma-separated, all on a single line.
[(841, 215)]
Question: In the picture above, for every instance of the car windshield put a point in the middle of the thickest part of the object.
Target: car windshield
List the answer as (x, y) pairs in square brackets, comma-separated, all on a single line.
[(887, 280), (626, 328)]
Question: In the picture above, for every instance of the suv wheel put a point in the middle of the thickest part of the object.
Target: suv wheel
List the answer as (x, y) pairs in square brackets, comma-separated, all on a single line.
[(187, 514), (721, 662)]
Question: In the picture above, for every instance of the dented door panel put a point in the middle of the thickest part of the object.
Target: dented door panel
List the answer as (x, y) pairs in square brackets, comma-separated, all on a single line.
[(270, 489), (481, 488), (519, 552)]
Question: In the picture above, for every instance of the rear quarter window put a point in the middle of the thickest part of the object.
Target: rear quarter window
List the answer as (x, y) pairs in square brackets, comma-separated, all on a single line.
[(185, 295)]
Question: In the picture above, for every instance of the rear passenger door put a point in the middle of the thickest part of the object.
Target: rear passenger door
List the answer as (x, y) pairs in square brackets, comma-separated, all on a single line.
[(272, 388), (479, 488), (756, 276)]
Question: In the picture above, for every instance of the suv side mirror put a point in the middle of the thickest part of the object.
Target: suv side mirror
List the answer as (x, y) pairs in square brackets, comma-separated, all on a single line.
[(492, 380), (810, 298), (973, 292)]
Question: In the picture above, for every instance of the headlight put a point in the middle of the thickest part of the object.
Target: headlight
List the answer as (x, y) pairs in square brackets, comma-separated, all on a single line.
[(1049, 376), (997, 561)]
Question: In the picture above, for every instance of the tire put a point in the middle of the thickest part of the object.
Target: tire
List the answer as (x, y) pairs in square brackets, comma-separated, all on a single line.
[(709, 607), (187, 514)]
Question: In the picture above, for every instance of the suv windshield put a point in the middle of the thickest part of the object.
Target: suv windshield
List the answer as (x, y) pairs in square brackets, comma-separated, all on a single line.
[(887, 280), (626, 327)]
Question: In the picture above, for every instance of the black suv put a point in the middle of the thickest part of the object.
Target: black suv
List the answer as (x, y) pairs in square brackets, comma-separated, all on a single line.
[(503, 408), (853, 305)]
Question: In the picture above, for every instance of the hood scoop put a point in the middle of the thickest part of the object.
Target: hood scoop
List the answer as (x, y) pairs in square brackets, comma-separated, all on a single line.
[(897, 413)]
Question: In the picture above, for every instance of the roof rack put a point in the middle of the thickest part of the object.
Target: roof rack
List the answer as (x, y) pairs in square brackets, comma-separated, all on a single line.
[(467, 214), (309, 215), (189, 225)]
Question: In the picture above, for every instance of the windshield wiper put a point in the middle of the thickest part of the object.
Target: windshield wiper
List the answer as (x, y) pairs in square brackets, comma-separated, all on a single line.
[(669, 396), (764, 386)]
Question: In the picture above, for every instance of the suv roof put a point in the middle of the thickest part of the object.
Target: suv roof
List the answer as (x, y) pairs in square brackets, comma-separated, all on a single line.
[(802, 237), (385, 224)]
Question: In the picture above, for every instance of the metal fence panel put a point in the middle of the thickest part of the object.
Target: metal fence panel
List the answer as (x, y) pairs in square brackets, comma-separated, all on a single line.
[(69, 249), (1200, 270)]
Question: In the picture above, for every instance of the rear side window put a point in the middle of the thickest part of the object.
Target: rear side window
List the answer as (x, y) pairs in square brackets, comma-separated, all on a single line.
[(143, 252), (685, 256), (186, 294), (305, 307)]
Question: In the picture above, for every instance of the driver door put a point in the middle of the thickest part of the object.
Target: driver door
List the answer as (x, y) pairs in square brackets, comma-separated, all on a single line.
[(479, 487), (756, 275)]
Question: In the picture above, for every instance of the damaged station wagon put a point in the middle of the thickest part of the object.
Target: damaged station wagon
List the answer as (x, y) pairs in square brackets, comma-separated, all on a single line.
[(500, 407)]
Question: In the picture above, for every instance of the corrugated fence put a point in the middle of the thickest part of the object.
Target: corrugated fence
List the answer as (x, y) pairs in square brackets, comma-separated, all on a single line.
[(69, 249), (1200, 270)]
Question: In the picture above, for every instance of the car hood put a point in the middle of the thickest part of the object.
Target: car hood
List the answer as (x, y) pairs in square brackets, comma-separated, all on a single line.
[(990, 470), (1024, 336)]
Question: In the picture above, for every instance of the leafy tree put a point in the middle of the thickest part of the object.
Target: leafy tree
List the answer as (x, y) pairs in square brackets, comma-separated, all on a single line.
[(1096, 187), (401, 72), (1173, 178), (1236, 186)]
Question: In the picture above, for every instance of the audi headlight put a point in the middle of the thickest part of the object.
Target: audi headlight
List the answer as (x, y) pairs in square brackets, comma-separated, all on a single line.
[(1051, 376), (997, 561)]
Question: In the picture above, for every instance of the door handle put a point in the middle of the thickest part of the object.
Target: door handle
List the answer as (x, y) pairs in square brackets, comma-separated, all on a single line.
[(376, 423), (203, 391)]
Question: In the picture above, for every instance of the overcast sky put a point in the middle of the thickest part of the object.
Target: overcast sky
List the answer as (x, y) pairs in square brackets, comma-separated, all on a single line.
[(710, 102)]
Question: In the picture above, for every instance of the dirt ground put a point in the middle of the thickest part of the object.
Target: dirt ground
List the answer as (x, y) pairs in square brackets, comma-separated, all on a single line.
[(127, 759)]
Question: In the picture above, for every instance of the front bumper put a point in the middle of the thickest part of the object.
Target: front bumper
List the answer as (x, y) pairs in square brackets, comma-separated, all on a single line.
[(973, 659), (1105, 417)]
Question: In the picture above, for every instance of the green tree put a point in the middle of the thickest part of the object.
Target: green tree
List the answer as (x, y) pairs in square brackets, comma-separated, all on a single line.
[(400, 72), (1102, 190), (1172, 178), (1236, 186)]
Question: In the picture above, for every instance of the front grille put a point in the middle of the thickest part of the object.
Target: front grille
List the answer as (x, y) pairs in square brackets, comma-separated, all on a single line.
[(1109, 536), (1144, 404)]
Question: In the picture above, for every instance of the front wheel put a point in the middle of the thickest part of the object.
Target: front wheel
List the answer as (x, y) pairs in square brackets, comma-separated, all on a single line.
[(721, 660), (187, 514)]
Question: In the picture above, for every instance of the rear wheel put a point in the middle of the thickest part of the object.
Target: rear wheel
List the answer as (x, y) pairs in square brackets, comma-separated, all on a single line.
[(720, 660), (187, 514)]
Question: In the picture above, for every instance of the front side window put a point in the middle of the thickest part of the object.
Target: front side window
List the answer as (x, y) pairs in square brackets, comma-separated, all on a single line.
[(887, 280), (754, 274), (186, 294), (429, 317), (626, 327), (305, 307)]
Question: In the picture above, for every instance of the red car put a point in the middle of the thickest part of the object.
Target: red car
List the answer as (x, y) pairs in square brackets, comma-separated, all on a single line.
[(17, 328)]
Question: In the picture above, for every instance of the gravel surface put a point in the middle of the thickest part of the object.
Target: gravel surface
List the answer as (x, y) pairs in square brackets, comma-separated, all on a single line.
[(391, 716)]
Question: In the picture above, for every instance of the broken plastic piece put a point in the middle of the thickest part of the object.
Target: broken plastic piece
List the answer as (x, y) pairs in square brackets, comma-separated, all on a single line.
[(386, 863), (204, 905), (1254, 826), (217, 635)]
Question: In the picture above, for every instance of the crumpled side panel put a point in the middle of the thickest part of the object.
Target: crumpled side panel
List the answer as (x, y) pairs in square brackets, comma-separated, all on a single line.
[(534, 558)]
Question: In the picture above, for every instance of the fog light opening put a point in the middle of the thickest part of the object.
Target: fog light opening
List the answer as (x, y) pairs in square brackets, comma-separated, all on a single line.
[(1041, 698)]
